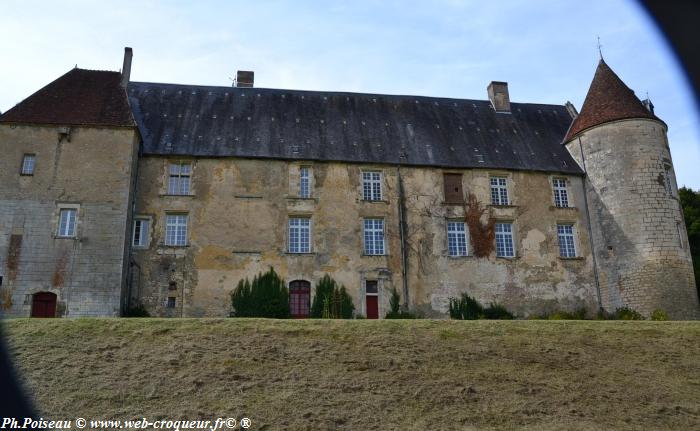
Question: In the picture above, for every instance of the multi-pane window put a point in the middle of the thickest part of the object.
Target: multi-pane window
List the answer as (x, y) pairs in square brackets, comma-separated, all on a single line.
[(372, 186), (668, 180), (66, 222), (567, 246), (456, 238), (300, 235), (504, 240), (561, 193), (374, 236), (499, 191), (179, 179), (304, 182), (176, 230), (140, 234), (28, 162)]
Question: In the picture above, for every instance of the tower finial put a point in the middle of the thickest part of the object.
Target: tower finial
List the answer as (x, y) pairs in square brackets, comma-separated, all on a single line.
[(600, 52)]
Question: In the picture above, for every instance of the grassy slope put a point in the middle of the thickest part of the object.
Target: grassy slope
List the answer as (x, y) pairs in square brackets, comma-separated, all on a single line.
[(366, 374)]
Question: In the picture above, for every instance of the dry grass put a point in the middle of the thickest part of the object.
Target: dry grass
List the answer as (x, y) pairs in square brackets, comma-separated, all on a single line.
[(319, 374)]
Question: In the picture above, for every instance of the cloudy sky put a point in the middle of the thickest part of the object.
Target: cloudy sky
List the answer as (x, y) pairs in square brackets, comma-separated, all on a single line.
[(545, 49)]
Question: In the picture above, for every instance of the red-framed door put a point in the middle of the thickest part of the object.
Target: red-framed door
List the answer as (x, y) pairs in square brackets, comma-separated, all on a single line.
[(44, 304), (372, 299), (299, 299), (372, 307)]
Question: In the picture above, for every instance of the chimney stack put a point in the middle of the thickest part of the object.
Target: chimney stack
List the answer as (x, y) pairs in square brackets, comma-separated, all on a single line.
[(498, 95), (244, 78), (126, 68)]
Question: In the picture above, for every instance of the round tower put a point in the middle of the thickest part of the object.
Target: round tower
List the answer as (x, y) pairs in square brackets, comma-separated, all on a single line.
[(639, 238)]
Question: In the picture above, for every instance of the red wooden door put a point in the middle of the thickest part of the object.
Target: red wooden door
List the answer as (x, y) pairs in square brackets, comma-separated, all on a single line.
[(299, 299), (44, 304), (372, 307)]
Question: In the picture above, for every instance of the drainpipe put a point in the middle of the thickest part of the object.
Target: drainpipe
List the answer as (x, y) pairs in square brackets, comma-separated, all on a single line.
[(402, 234), (590, 231)]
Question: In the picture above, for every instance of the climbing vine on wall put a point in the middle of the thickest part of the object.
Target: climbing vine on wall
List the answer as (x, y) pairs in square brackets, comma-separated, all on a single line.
[(481, 234)]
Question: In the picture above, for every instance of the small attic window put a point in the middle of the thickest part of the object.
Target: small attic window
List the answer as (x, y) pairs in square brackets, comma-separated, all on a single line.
[(479, 158)]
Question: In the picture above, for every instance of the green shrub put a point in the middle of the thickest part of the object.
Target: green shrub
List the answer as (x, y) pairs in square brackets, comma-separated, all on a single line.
[(395, 304), (331, 301), (626, 313), (659, 315), (497, 312), (465, 308), (266, 296), (137, 311)]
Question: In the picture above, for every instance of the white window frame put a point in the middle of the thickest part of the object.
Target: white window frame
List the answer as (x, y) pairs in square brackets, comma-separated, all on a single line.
[(560, 190), (372, 185), (142, 225), (373, 237), (176, 227), (67, 222), (566, 238), (499, 190), (299, 235), (179, 178), (457, 238), (505, 241), (28, 164), (304, 182)]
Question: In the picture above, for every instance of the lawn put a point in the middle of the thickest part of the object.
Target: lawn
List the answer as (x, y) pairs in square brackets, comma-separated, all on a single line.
[(356, 375)]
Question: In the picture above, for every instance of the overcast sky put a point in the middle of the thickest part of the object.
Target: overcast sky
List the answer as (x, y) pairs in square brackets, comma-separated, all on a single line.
[(546, 50)]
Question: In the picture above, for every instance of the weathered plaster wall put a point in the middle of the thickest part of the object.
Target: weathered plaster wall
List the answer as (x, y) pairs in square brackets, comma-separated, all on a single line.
[(238, 214), (91, 172), (640, 238)]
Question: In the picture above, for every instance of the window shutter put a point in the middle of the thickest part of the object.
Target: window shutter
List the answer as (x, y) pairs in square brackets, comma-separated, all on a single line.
[(453, 188)]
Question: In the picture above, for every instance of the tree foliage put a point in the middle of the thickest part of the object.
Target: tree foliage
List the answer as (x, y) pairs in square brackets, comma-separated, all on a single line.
[(266, 296), (395, 305), (331, 301), (690, 201)]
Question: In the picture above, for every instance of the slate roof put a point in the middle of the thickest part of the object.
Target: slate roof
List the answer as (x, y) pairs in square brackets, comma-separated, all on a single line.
[(333, 126), (608, 99), (79, 97)]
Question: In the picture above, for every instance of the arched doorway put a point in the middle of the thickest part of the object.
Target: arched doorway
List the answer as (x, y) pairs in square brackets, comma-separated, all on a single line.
[(299, 299), (44, 304)]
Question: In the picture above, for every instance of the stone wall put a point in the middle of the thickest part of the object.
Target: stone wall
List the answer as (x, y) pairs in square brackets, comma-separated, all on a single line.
[(89, 170), (237, 222), (640, 238)]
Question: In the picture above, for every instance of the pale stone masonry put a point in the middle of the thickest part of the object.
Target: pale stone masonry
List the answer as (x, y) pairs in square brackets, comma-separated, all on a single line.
[(115, 194)]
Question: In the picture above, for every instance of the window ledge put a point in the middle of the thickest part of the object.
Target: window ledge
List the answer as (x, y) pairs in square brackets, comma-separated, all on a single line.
[(173, 246), (508, 257), (468, 256), (75, 238), (374, 255), (297, 198), (380, 201), (292, 253), (502, 206), (26, 175), (572, 258), (554, 207), (190, 195)]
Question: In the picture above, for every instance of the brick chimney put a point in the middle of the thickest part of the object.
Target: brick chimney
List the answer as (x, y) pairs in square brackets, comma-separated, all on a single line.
[(244, 78), (498, 95), (126, 68)]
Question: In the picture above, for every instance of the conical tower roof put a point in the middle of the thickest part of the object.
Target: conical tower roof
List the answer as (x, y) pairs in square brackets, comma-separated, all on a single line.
[(608, 99)]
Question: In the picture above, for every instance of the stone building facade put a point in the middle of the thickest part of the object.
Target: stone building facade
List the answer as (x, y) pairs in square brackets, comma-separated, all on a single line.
[(167, 195)]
